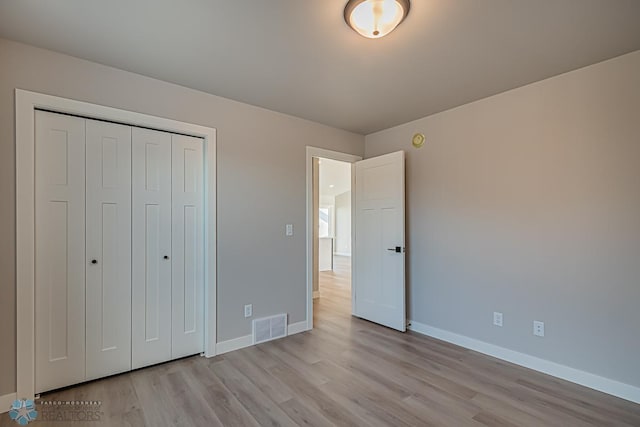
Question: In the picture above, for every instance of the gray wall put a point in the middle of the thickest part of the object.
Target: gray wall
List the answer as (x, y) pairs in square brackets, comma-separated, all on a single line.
[(528, 203), (261, 182)]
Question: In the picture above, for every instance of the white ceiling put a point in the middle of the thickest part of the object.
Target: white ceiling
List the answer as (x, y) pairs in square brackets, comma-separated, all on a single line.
[(299, 57), (336, 174)]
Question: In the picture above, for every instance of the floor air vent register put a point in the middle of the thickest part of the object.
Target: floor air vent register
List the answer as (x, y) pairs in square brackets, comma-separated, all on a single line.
[(269, 328)]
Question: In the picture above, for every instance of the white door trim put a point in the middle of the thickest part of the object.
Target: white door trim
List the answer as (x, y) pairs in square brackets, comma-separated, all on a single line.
[(26, 104), (332, 155)]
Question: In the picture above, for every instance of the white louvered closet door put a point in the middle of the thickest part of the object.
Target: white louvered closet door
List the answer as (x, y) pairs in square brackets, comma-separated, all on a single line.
[(59, 251), (187, 246), (108, 264), (151, 286)]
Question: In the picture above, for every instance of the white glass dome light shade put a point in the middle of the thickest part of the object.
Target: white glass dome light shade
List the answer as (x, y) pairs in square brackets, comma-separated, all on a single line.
[(375, 18)]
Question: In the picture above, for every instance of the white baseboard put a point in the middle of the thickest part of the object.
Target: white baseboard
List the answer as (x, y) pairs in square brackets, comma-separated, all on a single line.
[(316, 294), (605, 385), (6, 401), (234, 344), (296, 328), (247, 340)]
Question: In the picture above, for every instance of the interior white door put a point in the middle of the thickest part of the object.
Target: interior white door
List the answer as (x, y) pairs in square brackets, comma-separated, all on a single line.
[(59, 251), (187, 242), (108, 230), (379, 279), (151, 286)]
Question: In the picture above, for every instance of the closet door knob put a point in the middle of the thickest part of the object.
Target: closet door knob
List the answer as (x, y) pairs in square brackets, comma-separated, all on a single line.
[(94, 261), (166, 257)]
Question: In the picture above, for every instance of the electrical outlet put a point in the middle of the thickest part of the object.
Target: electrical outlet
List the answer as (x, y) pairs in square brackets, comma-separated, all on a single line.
[(497, 318), (289, 230), (248, 310), (538, 328)]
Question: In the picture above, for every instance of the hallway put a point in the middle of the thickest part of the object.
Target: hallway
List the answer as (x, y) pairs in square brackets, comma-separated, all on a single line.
[(335, 291)]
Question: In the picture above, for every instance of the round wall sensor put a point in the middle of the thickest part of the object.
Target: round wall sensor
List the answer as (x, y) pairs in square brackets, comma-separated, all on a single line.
[(418, 140)]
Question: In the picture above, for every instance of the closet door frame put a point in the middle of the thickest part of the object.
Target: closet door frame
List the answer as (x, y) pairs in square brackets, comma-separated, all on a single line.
[(26, 104)]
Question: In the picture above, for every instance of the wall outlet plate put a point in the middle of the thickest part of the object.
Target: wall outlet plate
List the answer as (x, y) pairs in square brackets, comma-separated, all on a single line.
[(289, 230), (497, 318), (538, 328), (248, 310)]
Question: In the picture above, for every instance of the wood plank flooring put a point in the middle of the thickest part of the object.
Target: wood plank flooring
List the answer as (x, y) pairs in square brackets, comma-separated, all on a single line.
[(346, 372)]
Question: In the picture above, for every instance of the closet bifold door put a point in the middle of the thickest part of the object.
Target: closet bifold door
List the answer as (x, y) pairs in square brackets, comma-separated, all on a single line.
[(108, 263), (59, 251), (187, 246), (151, 286)]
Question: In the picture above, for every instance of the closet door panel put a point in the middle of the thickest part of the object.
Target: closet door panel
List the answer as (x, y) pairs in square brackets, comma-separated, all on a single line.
[(151, 287), (59, 251), (187, 246), (108, 229)]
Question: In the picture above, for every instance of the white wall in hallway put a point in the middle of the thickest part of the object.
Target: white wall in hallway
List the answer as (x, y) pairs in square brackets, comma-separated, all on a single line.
[(343, 224)]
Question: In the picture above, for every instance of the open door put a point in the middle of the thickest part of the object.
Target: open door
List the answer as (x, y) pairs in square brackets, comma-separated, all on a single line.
[(378, 280)]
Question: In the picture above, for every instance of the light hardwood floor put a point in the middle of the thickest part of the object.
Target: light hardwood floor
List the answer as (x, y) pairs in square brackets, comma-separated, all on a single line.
[(346, 372)]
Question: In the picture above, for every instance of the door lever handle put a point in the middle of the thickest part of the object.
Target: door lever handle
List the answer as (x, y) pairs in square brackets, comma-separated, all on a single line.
[(397, 249)]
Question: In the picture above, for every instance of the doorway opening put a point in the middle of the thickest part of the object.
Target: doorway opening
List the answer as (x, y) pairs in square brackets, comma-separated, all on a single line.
[(337, 250), (378, 253), (332, 240)]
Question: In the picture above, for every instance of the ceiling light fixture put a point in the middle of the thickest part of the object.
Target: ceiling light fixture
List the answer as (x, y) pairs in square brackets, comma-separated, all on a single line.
[(375, 18)]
